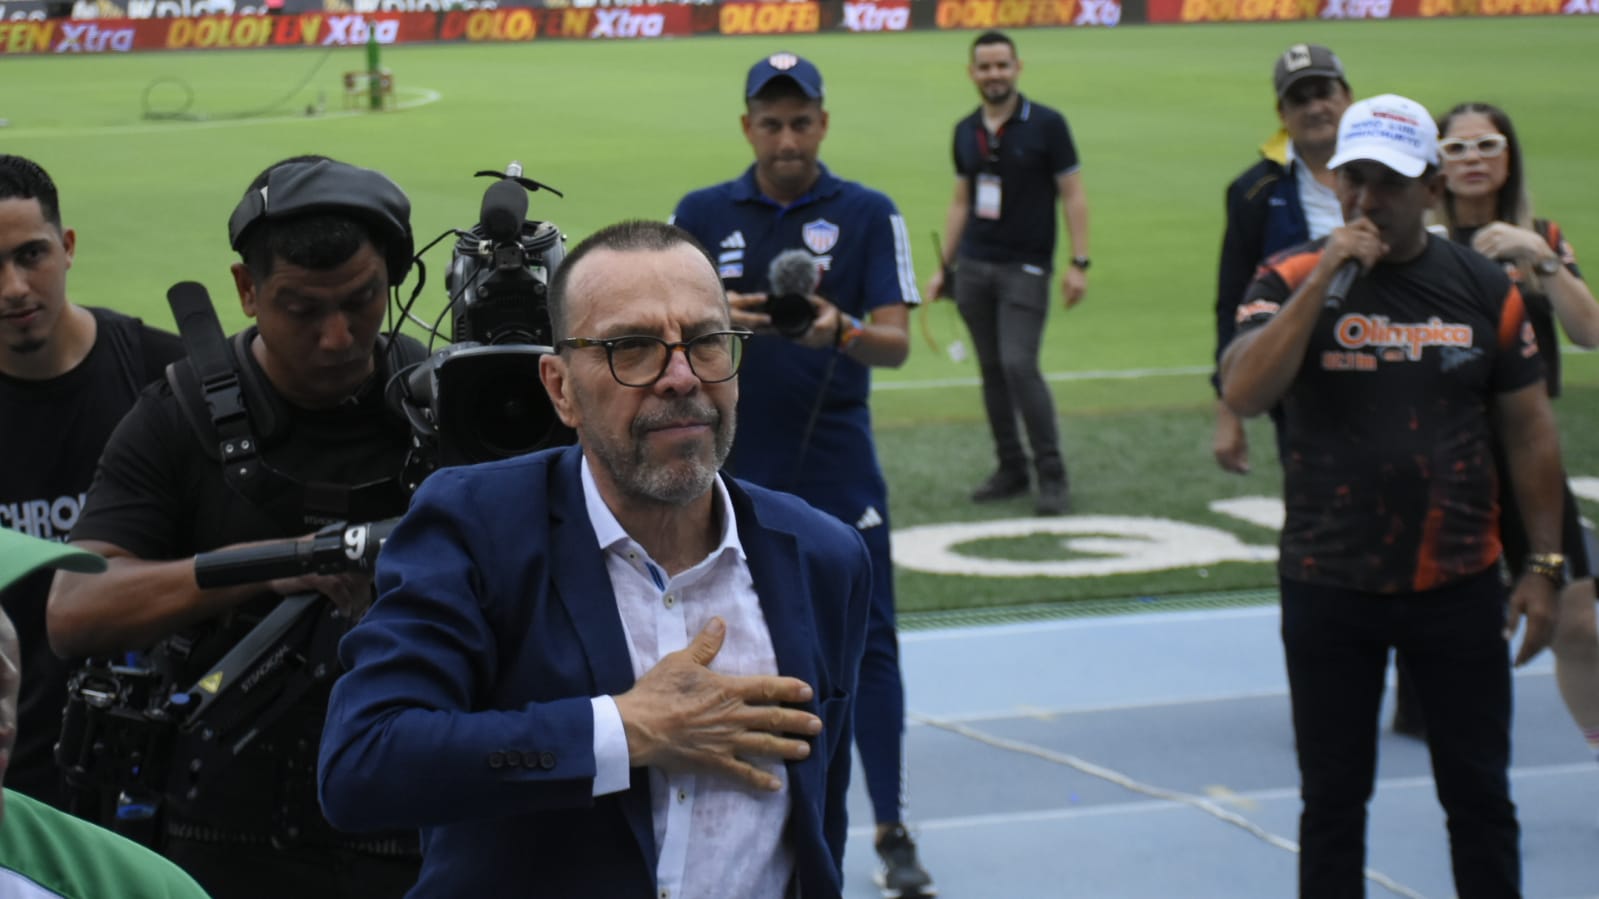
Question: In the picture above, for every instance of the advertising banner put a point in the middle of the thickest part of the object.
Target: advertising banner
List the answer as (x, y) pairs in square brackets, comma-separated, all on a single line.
[(769, 18), (520, 23), (969, 14), (1179, 11), (876, 15), (1429, 8)]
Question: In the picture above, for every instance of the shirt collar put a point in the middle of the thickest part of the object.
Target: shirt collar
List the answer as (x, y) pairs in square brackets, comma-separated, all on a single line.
[(608, 532), (746, 190), (1022, 112)]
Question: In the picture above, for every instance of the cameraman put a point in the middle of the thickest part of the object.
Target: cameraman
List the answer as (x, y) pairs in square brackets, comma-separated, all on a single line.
[(321, 242), (805, 426)]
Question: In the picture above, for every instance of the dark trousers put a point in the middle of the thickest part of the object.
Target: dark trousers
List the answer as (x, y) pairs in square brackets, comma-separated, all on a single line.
[(228, 871), (880, 690), (1452, 646), (1005, 308)]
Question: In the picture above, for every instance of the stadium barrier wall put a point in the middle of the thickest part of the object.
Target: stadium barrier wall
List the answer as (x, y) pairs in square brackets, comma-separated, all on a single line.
[(144, 25)]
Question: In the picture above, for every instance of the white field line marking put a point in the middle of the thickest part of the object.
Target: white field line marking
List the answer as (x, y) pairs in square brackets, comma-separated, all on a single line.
[(1205, 804), (1150, 806), (1126, 782), (425, 96), (1108, 375), (1017, 713)]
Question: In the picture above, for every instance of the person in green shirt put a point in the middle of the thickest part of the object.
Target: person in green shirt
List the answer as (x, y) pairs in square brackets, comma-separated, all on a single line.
[(45, 853)]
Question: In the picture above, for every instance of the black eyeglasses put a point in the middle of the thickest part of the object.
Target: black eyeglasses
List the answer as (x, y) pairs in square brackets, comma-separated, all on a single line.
[(1488, 146), (639, 360)]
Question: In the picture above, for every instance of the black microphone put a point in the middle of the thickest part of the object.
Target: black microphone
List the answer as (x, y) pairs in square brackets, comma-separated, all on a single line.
[(1342, 280), (792, 277), (504, 209), (1344, 277), (335, 549)]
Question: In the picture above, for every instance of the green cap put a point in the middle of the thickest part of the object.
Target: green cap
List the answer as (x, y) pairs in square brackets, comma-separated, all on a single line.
[(20, 554)]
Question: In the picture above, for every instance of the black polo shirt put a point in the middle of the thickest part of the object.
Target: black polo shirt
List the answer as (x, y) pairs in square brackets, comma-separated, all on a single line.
[(1029, 152)]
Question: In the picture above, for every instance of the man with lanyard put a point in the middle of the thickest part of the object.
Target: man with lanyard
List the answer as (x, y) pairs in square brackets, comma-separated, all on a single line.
[(1013, 157), (1394, 388), (804, 423), (68, 374), (320, 242)]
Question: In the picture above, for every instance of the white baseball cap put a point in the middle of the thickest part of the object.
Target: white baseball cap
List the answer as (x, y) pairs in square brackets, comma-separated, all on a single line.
[(1390, 129)]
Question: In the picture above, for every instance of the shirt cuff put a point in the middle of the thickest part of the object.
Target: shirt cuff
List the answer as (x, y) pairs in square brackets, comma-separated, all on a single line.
[(612, 773)]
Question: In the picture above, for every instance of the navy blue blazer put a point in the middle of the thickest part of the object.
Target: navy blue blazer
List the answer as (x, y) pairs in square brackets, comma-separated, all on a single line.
[(465, 710)]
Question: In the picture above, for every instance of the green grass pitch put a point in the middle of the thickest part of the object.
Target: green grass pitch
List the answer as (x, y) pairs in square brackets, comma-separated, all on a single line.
[(1163, 116)]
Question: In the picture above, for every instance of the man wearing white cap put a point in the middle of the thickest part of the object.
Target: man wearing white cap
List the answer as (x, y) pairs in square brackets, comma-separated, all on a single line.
[(1401, 362), (44, 853)]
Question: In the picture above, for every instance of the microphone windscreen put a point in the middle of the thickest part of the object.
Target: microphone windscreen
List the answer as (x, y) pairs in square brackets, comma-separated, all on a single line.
[(793, 273), (504, 208)]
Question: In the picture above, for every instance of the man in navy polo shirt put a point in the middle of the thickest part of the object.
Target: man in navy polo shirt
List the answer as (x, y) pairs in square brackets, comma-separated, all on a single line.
[(1013, 157), (804, 423)]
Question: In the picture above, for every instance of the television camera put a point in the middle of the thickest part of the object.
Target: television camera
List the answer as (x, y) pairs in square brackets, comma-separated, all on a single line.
[(480, 398), (138, 730)]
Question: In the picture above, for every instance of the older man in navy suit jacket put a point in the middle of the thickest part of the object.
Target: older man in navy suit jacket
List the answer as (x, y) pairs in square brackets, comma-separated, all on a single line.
[(607, 670)]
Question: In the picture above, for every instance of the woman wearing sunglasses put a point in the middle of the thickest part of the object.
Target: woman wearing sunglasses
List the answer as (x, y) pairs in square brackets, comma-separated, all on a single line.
[(1485, 205)]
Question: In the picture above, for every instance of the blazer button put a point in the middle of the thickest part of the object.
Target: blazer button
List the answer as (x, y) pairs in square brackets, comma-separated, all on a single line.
[(496, 760), (547, 761), (530, 759), (513, 759)]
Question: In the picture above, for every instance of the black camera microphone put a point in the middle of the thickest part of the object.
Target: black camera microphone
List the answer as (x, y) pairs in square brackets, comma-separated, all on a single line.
[(335, 549), (791, 278), (504, 208)]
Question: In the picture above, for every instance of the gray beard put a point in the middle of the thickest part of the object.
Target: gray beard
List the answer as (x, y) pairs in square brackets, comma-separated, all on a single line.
[(666, 485)]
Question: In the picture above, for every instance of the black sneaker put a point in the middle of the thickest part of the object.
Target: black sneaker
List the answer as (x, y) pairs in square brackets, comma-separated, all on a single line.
[(1000, 485), (902, 876), (1053, 498)]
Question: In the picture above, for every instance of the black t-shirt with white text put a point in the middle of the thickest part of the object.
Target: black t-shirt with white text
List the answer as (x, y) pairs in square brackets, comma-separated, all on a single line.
[(1388, 471), (51, 434), (160, 495)]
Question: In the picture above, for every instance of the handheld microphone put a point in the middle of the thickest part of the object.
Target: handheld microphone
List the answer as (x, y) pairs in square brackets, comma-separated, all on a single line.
[(504, 208), (1344, 277), (1342, 280), (792, 277)]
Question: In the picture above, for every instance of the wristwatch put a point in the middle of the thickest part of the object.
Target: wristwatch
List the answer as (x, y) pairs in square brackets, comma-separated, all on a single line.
[(1547, 266), (1549, 565), (1080, 263)]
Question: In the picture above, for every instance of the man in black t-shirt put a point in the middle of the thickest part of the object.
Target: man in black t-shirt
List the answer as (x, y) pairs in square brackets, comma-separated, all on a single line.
[(68, 373), (321, 242), (1013, 159), (1394, 389)]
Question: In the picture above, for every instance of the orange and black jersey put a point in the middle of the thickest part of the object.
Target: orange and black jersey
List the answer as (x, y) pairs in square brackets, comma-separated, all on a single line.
[(1388, 472)]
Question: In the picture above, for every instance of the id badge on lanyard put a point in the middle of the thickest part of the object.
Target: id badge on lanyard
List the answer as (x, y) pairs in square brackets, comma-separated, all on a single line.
[(990, 196)]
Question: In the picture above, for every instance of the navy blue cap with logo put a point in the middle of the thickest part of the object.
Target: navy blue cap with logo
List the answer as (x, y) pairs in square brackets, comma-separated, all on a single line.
[(784, 65)]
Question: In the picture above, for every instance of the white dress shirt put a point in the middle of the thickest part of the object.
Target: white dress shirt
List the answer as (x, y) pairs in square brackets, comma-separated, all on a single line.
[(1320, 202), (733, 833)]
